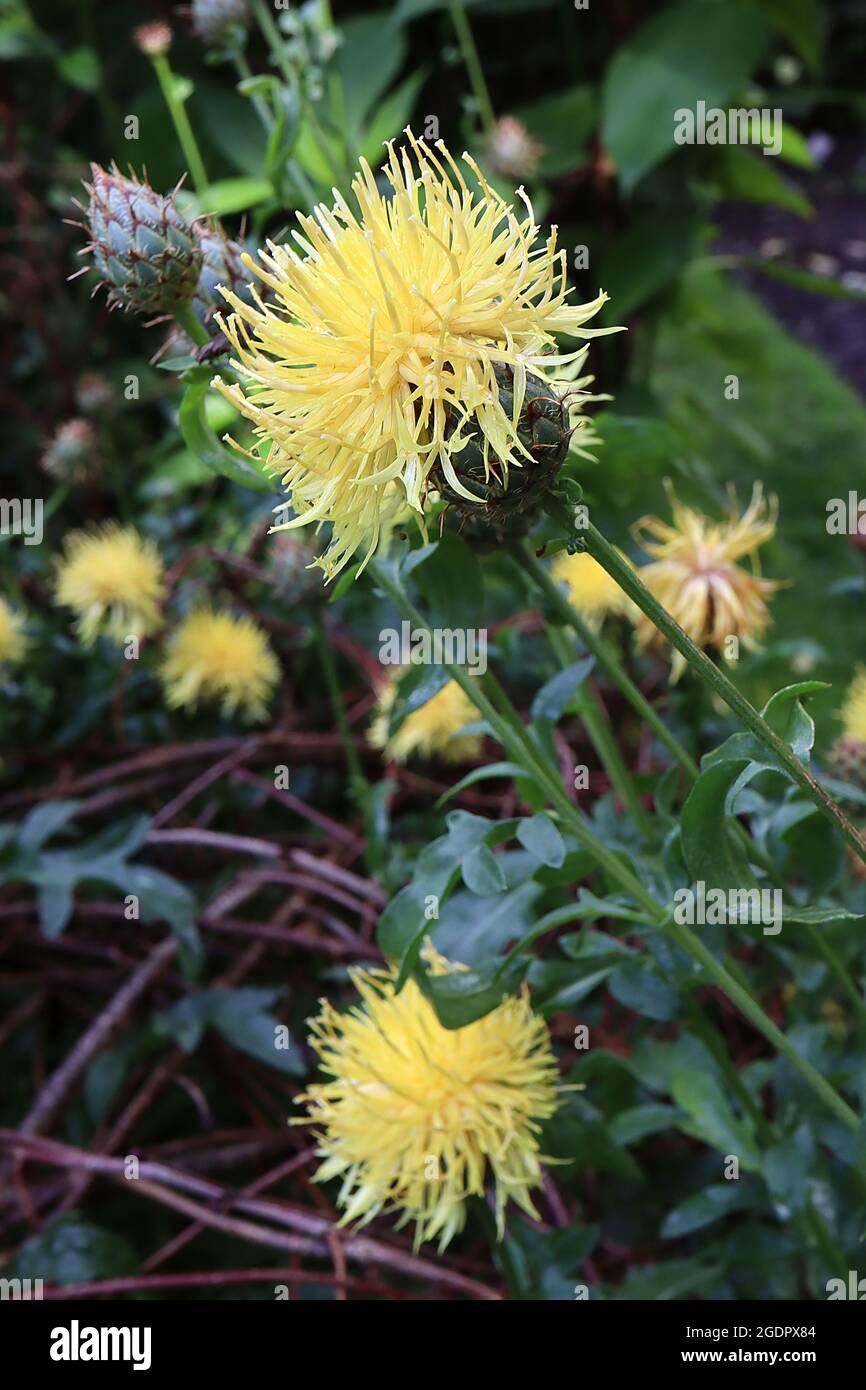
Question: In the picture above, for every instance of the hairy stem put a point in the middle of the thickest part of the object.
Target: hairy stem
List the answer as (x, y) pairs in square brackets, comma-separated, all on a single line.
[(598, 729)]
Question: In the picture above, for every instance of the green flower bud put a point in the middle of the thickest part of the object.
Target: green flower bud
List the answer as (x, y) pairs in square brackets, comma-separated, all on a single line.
[(509, 496), (142, 245), (221, 265)]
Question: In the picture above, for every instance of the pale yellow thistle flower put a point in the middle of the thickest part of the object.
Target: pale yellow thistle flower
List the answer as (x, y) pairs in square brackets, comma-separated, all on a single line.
[(112, 578), (13, 643), (695, 574), (214, 655), (374, 355), (590, 589), (414, 1115), (432, 731)]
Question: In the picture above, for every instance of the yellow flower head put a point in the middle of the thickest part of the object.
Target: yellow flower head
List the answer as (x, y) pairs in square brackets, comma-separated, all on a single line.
[(112, 579), (413, 1113), (428, 732), (591, 591), (13, 643), (376, 349), (216, 656), (694, 574), (853, 711)]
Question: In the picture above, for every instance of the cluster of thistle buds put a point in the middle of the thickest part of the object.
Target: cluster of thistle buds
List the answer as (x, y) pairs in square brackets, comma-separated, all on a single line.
[(150, 258), (311, 44), (220, 24)]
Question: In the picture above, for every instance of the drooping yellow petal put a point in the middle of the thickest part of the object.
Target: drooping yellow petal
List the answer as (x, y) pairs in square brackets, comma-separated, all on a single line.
[(694, 574)]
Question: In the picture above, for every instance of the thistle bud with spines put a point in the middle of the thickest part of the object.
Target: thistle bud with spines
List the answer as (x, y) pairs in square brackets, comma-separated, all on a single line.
[(221, 264), (509, 495), (143, 247)]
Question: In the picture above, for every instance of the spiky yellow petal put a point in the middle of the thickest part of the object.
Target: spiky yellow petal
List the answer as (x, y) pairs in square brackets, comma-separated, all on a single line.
[(217, 656), (377, 346), (13, 643), (414, 1115), (694, 574), (112, 579), (432, 731)]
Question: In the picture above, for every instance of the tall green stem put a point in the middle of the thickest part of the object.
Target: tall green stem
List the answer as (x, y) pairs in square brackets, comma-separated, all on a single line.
[(177, 111), (840, 970), (604, 654), (521, 750), (260, 106), (335, 83), (273, 38), (602, 551), (598, 729), (752, 1010), (463, 30), (525, 558), (335, 694), (185, 317), (514, 737), (266, 116)]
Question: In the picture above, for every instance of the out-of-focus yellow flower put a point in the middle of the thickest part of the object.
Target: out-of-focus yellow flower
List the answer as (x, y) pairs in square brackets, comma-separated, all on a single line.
[(112, 578), (216, 656), (13, 643), (433, 731), (375, 354), (413, 1114), (853, 711), (847, 756), (695, 574), (591, 591)]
